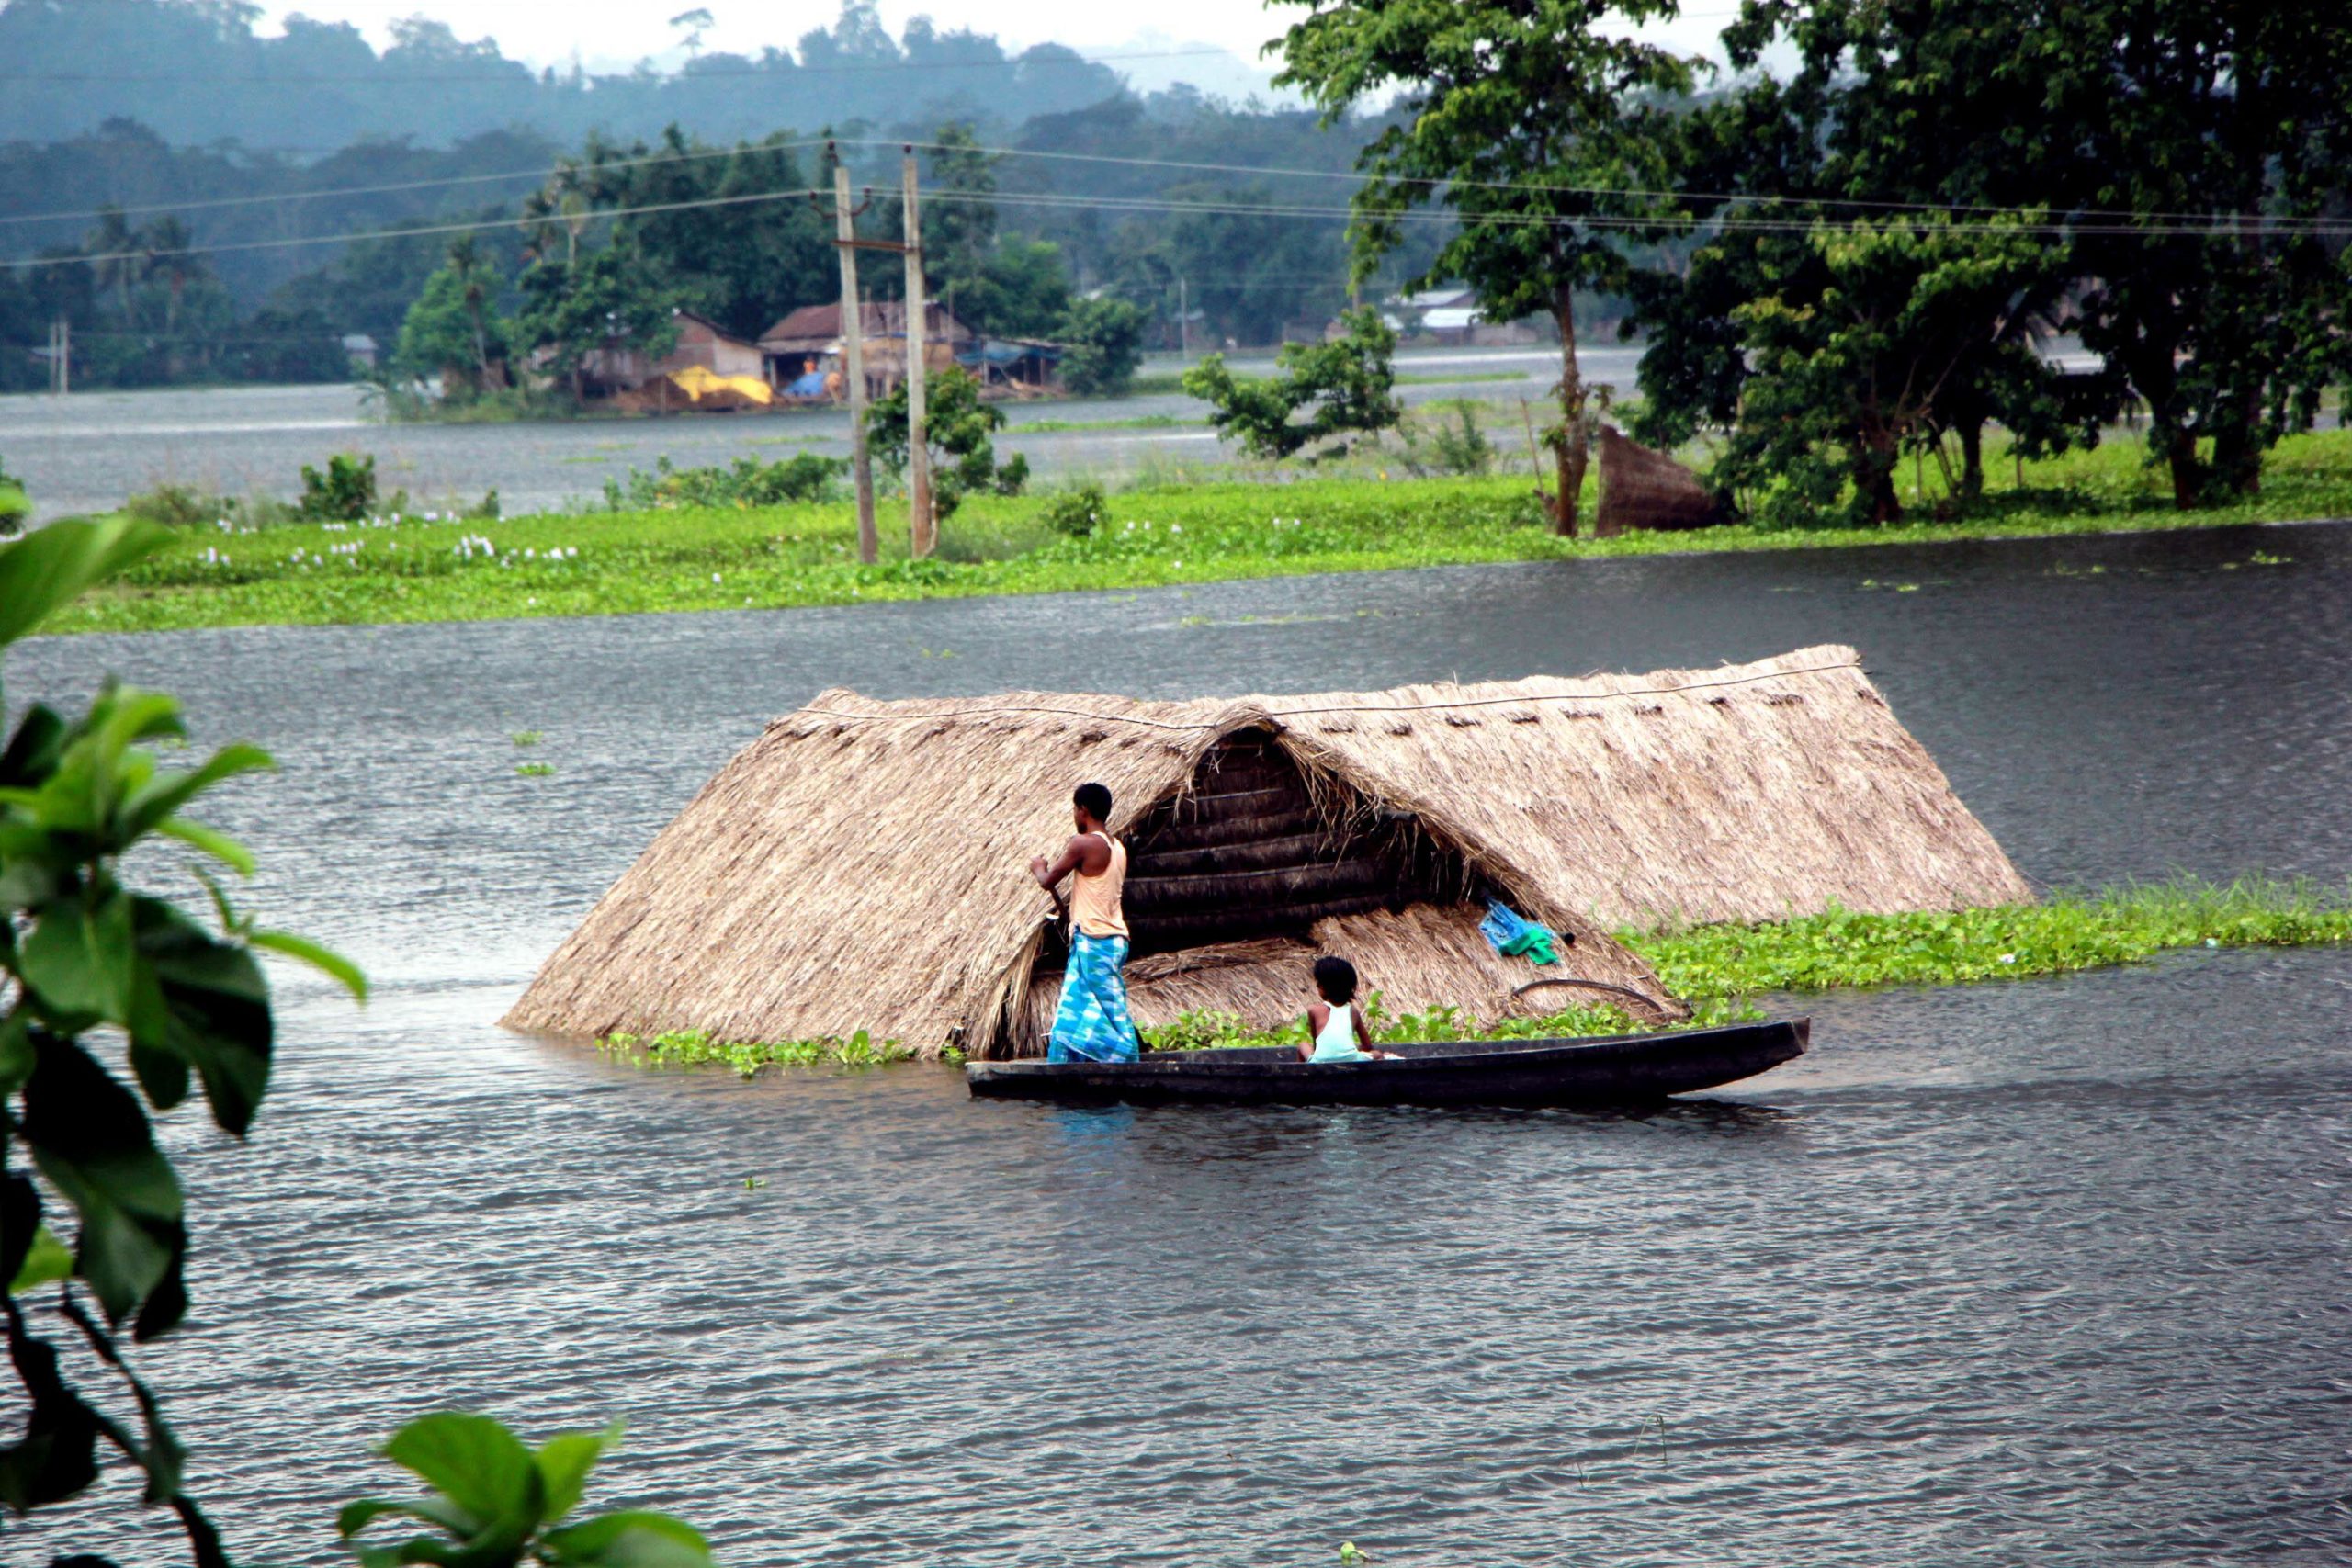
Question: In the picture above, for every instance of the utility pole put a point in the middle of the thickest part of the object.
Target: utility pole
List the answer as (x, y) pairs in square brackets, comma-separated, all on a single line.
[(1184, 326), (922, 530), (853, 361)]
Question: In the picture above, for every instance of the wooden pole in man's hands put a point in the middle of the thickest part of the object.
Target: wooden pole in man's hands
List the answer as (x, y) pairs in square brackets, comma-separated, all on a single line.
[(853, 362), (922, 532)]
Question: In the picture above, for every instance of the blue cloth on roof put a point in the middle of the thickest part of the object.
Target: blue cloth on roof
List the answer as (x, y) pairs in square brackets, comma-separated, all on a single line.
[(1092, 1024), (1515, 936)]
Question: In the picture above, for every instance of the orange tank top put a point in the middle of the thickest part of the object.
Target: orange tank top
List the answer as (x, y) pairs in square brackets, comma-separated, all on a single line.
[(1094, 901)]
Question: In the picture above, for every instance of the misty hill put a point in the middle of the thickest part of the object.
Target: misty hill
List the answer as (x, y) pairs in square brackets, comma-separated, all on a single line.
[(195, 73)]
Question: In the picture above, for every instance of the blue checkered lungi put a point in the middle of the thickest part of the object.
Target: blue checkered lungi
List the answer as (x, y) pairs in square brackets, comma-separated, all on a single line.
[(1092, 1024)]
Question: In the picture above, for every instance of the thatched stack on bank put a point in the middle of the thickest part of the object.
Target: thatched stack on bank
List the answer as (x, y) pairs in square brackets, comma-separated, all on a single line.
[(861, 865), (1643, 489)]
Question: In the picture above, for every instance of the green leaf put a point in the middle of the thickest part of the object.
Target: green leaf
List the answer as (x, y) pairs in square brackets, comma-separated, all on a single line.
[(627, 1539), (16, 1051), (325, 960), (479, 1467), (92, 1141), (564, 1463), (79, 960), (357, 1517), (44, 571), (214, 1012), (162, 795), (33, 750), (219, 845), (20, 1226), (48, 1262)]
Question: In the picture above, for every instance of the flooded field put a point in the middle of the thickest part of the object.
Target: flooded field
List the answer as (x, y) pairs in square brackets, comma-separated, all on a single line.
[(2049, 1272)]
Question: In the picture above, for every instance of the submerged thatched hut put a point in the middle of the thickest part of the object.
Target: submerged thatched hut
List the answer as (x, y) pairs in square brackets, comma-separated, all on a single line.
[(861, 866)]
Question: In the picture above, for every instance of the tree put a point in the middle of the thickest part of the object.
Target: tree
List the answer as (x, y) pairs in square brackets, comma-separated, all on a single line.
[(2231, 331), (1101, 344), (451, 330), (959, 428), (1854, 345), (1529, 118), (2179, 147), (169, 261), (607, 301), (1345, 388)]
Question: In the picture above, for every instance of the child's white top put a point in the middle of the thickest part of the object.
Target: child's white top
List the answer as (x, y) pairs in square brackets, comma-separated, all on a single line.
[(1335, 1041)]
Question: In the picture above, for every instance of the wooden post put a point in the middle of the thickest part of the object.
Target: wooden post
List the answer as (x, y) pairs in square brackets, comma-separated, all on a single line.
[(854, 364), (922, 530)]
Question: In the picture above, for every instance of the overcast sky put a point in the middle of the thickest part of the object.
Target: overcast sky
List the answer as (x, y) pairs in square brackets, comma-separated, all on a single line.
[(611, 32)]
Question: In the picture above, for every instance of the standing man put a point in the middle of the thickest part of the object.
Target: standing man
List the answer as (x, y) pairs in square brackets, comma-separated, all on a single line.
[(1092, 1024)]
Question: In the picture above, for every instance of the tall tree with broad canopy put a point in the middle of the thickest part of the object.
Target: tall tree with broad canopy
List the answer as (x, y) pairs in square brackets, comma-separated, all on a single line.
[(1530, 119), (2179, 147)]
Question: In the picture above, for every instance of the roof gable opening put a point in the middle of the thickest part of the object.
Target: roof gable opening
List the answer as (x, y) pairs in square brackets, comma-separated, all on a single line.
[(1253, 849)]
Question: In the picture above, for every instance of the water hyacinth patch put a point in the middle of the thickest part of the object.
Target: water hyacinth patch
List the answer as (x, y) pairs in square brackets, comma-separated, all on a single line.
[(694, 1048)]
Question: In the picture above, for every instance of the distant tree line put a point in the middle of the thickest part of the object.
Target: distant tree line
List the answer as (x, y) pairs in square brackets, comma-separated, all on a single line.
[(198, 73)]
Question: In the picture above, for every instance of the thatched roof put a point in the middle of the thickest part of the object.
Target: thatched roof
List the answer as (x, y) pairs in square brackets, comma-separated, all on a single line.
[(1645, 488), (861, 865)]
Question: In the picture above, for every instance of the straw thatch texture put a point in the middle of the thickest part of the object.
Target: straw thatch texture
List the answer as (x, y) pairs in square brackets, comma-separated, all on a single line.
[(861, 866), (1748, 793), (1645, 488)]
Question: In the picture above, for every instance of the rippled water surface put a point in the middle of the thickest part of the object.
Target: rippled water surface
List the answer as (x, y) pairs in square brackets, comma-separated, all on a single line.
[(2050, 1273)]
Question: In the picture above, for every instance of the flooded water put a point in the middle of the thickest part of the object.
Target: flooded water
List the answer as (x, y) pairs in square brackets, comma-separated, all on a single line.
[(86, 452), (2049, 1272)]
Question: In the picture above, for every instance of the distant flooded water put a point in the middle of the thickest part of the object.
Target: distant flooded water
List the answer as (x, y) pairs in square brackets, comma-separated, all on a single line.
[(2046, 1273), (86, 452)]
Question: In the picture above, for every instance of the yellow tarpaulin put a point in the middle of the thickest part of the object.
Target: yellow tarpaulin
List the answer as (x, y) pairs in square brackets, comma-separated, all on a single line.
[(703, 384)]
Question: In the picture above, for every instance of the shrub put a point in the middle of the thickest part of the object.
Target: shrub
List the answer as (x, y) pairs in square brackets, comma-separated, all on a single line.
[(344, 493), (1078, 513), (1440, 445), (798, 480)]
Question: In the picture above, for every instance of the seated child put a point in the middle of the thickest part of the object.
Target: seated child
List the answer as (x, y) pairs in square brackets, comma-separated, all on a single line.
[(1336, 1024)]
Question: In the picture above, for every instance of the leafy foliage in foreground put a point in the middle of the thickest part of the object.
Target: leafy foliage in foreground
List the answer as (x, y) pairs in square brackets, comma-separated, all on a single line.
[(85, 959), (84, 955), (501, 1504)]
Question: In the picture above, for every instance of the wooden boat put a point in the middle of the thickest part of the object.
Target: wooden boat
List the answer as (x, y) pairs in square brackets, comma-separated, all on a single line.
[(1622, 1069)]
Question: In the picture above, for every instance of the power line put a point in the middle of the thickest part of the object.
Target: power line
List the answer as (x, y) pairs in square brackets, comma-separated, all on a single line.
[(1661, 224), (1537, 187), (2164, 225)]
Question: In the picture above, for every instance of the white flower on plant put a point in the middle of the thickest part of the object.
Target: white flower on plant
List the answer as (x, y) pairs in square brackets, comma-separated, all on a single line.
[(2008, 958)]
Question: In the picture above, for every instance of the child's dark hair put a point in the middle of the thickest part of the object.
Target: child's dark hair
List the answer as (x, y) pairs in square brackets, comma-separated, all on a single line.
[(1095, 800), (1335, 978)]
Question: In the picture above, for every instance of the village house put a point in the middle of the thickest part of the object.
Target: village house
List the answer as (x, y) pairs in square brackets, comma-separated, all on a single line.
[(803, 351)]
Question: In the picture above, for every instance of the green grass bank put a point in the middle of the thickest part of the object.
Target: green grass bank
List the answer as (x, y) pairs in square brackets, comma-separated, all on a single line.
[(1175, 533), (1723, 970)]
